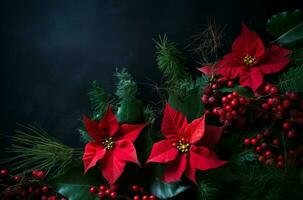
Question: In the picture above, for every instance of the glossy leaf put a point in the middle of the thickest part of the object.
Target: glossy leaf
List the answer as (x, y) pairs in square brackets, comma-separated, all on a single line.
[(164, 190), (130, 111), (242, 91)]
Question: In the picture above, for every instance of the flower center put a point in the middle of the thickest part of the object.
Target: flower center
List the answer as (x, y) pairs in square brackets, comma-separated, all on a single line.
[(182, 146), (249, 60), (108, 143)]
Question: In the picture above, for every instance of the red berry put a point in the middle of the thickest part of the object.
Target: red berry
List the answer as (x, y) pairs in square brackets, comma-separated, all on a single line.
[(230, 84), (280, 158), (102, 188), (280, 164), (40, 175), (63, 198), (205, 99), (101, 194), (137, 197), (261, 158), (215, 111), (92, 189), (276, 142), (114, 188), (270, 101), (4, 173), (286, 103), (274, 90), (44, 198), (266, 133), (228, 108), (235, 94), (45, 189), (234, 103), (230, 96), (145, 197), (286, 126), (267, 88), (291, 134), (17, 179), (113, 195), (135, 188), (225, 100), (108, 191), (258, 149), (264, 145), (294, 96), (268, 154), (211, 100), (30, 189), (246, 141), (208, 91), (259, 136), (52, 198), (214, 86), (253, 141), (221, 112), (152, 197), (265, 106)]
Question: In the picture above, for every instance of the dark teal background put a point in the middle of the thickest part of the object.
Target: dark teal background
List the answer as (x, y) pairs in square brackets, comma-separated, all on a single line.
[(51, 50)]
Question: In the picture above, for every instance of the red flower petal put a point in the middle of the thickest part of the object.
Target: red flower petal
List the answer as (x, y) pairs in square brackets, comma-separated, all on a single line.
[(163, 152), (190, 173), (130, 131), (92, 129), (174, 169), (194, 131), (252, 78), (211, 137), (173, 121), (208, 70), (276, 60), (111, 167), (245, 41), (125, 151), (204, 159), (109, 123), (92, 154)]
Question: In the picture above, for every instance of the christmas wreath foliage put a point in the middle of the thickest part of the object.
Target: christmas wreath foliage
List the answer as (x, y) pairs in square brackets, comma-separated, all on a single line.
[(231, 130)]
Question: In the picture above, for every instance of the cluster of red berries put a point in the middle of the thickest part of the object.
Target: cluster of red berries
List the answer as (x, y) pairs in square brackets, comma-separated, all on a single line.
[(104, 192), (139, 193), (17, 187), (229, 107)]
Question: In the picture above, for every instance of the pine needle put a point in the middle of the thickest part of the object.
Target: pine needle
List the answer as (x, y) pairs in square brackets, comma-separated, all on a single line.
[(292, 79)]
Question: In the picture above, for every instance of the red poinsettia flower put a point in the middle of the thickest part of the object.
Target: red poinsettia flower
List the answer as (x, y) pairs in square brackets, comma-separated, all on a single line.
[(250, 61), (186, 147), (112, 146)]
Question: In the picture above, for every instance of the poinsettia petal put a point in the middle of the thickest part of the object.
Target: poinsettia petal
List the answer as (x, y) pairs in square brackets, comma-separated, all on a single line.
[(92, 129), (194, 131), (252, 78), (245, 40), (204, 159), (130, 131), (275, 60), (174, 169), (163, 152), (190, 173), (256, 50), (211, 136), (93, 152), (109, 123), (207, 70), (111, 167), (125, 150), (173, 121)]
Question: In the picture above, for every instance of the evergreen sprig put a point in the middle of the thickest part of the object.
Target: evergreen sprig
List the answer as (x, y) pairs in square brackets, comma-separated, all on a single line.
[(98, 99), (170, 60), (126, 86), (292, 79), (33, 149)]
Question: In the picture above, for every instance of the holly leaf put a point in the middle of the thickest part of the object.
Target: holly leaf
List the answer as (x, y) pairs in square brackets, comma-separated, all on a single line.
[(191, 105), (242, 91), (282, 22), (75, 185), (130, 111), (167, 190)]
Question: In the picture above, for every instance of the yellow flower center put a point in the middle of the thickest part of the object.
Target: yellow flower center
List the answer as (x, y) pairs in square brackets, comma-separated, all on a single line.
[(249, 60), (108, 143), (182, 146)]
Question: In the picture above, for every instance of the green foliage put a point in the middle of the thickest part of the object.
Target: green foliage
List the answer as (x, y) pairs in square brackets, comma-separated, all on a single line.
[(282, 22), (32, 148), (126, 86), (130, 111), (242, 91), (99, 100), (164, 190), (207, 191), (170, 61), (75, 185), (297, 56), (292, 79), (84, 137)]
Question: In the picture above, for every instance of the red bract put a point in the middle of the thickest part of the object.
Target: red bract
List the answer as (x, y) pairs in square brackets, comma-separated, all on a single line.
[(250, 61), (186, 147), (112, 146)]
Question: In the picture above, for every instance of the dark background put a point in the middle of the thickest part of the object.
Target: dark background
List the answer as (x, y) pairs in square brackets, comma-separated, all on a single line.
[(51, 50)]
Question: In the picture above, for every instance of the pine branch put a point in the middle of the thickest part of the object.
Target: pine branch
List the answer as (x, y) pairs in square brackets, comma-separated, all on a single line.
[(32, 148), (292, 79), (170, 60), (99, 100), (126, 86)]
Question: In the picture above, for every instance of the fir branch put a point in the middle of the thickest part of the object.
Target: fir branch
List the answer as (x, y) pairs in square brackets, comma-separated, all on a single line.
[(126, 86), (99, 100), (32, 148), (292, 79), (84, 137), (207, 191), (170, 60), (149, 114)]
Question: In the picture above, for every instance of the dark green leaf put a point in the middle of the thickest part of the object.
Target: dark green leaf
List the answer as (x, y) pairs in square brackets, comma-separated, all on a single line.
[(190, 105), (130, 111), (242, 91), (293, 38), (292, 79), (297, 56), (75, 185), (282, 22), (164, 190)]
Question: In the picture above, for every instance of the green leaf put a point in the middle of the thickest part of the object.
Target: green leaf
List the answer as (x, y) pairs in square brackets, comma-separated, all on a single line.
[(190, 105), (164, 190), (291, 80), (130, 111), (242, 91), (144, 144), (75, 185), (282, 22), (297, 56), (293, 38)]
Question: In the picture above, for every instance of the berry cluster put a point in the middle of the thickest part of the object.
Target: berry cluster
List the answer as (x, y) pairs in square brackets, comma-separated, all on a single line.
[(229, 107), (26, 187), (104, 192), (139, 193)]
